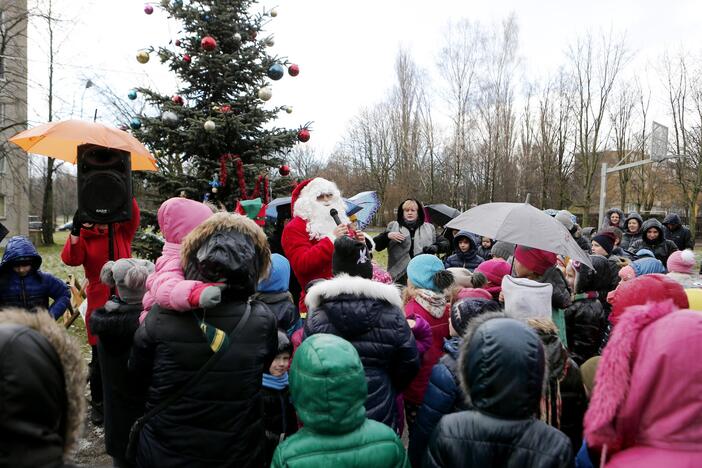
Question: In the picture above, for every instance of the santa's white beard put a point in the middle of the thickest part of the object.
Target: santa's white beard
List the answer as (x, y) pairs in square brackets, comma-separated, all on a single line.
[(319, 222)]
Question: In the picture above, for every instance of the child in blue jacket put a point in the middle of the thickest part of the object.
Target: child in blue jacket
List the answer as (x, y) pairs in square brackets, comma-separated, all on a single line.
[(23, 285)]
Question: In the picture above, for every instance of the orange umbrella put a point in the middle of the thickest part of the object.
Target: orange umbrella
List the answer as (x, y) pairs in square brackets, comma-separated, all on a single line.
[(60, 140)]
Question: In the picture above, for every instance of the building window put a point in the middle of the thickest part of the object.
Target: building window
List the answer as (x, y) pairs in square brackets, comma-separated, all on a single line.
[(2, 207)]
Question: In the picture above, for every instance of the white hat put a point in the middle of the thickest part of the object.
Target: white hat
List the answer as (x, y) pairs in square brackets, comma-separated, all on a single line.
[(527, 299)]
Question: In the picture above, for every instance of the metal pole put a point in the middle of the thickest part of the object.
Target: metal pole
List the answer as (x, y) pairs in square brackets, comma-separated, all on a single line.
[(603, 195)]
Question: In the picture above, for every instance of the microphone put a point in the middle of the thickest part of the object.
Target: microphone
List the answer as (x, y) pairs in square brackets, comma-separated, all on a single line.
[(335, 214)]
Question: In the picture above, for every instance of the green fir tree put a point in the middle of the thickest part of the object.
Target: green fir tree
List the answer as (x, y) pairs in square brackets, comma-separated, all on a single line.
[(218, 115)]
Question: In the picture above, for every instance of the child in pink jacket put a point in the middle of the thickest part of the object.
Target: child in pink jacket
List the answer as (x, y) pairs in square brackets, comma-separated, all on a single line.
[(166, 286)]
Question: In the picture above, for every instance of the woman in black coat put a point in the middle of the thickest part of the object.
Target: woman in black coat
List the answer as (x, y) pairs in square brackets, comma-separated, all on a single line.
[(502, 368), (369, 315), (218, 422)]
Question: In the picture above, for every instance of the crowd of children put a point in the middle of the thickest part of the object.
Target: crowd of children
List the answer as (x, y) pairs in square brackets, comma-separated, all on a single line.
[(498, 355)]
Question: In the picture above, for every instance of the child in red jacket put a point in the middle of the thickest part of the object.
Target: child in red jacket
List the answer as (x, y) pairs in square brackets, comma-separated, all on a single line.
[(425, 298)]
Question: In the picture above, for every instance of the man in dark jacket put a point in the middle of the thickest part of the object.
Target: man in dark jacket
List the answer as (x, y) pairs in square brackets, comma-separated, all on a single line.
[(465, 254), (369, 315), (675, 231), (653, 239), (23, 285), (502, 367), (218, 422), (586, 319)]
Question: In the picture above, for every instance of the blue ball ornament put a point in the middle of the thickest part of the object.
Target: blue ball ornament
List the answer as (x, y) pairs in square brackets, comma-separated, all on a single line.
[(135, 123), (132, 94), (205, 17), (276, 71)]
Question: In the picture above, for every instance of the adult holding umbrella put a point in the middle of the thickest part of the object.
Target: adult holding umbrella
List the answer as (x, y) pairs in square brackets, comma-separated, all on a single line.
[(406, 237), (92, 242)]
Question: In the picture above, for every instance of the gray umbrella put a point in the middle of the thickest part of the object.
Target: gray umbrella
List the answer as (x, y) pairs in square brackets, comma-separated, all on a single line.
[(522, 224)]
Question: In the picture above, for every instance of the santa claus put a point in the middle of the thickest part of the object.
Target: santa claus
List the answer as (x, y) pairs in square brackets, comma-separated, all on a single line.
[(308, 239)]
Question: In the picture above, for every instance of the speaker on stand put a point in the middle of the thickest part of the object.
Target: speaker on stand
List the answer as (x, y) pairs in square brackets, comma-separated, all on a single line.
[(104, 184)]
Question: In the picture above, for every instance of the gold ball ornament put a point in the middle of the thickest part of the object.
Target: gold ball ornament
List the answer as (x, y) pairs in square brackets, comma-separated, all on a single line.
[(142, 56), (274, 12), (288, 109)]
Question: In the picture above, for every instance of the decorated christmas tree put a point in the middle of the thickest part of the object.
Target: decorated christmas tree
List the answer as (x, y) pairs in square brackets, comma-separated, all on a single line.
[(215, 137)]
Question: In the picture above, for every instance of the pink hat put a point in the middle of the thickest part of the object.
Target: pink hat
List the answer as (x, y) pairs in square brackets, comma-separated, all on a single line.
[(474, 293), (682, 262), (494, 270), (535, 260)]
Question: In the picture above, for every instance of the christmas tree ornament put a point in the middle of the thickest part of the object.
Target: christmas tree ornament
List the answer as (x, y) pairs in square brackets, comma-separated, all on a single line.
[(208, 43), (135, 123), (265, 93), (276, 71), (170, 118), (205, 17), (177, 100), (294, 69), (269, 41), (178, 3), (186, 58), (216, 108), (274, 12), (132, 95), (284, 170), (225, 108), (124, 127), (237, 37), (254, 34), (148, 9), (177, 42), (303, 135), (209, 126), (288, 109), (142, 56)]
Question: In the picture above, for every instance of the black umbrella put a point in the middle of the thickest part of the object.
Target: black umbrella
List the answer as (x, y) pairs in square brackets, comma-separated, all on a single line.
[(441, 214), (3, 232)]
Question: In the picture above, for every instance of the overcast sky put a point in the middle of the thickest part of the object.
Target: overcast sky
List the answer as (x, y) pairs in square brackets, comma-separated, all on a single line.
[(345, 49)]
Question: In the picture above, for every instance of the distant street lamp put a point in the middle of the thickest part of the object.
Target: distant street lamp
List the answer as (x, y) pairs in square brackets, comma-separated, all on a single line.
[(88, 84)]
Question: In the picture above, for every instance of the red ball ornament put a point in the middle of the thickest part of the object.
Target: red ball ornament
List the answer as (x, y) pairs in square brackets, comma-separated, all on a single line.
[(284, 170), (177, 100), (303, 135), (225, 108), (177, 42), (294, 69), (148, 9), (208, 43), (186, 58), (254, 35)]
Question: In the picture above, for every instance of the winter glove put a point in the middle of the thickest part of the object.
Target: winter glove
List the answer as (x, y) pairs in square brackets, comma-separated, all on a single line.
[(206, 295), (430, 249), (75, 228)]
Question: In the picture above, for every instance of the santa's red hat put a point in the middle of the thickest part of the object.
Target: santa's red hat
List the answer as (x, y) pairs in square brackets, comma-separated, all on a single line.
[(308, 191)]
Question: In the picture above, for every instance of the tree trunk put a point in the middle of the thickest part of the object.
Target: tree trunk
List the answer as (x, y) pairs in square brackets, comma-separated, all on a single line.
[(47, 205)]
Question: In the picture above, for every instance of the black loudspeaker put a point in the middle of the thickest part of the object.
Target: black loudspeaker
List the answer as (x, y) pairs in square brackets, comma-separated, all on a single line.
[(104, 184)]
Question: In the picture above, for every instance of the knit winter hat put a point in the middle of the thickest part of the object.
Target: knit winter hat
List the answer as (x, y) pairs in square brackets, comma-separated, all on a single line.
[(427, 272), (461, 276), (465, 310), (527, 299), (474, 293), (565, 217), (284, 343), (351, 257), (502, 249), (129, 276), (535, 260), (682, 262), (494, 270), (627, 273), (588, 371), (644, 253), (606, 240)]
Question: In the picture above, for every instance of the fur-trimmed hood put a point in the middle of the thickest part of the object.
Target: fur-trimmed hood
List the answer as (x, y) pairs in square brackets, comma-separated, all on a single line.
[(352, 285), (499, 364), (39, 364), (648, 382), (230, 247)]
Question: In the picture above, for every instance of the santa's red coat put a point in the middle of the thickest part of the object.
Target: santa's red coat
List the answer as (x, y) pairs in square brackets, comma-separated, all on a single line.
[(309, 259), (92, 252)]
